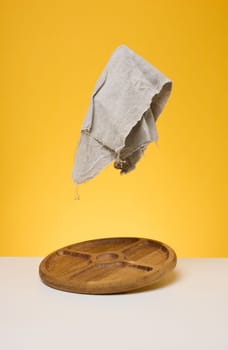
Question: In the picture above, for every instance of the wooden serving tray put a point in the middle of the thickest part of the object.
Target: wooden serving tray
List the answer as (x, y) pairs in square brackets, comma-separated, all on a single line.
[(106, 266)]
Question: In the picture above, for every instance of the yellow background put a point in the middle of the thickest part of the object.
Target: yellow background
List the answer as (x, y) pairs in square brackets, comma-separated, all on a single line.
[(52, 52)]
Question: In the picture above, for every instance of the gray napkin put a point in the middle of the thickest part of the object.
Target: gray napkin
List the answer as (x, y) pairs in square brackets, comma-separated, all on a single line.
[(120, 122)]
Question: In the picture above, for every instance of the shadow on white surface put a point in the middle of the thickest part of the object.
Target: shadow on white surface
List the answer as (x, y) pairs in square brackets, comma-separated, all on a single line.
[(171, 278)]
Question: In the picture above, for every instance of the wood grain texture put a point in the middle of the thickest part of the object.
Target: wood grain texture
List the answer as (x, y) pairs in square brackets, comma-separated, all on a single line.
[(107, 266)]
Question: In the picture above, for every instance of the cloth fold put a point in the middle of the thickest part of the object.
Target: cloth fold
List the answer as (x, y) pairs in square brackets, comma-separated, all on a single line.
[(121, 119)]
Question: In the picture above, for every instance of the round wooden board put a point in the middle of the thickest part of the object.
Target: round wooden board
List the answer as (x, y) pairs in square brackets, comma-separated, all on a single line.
[(107, 266)]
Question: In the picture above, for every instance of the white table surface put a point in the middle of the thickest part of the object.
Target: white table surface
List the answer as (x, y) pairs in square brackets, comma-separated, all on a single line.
[(187, 310)]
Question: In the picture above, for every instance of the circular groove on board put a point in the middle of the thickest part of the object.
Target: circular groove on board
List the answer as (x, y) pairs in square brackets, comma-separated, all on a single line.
[(108, 265)]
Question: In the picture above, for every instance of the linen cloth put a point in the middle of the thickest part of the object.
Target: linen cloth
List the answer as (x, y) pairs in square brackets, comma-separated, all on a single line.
[(121, 119)]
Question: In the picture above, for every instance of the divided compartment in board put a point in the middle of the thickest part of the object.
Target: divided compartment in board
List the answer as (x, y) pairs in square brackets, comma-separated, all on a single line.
[(103, 245), (65, 261), (109, 271), (146, 252)]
